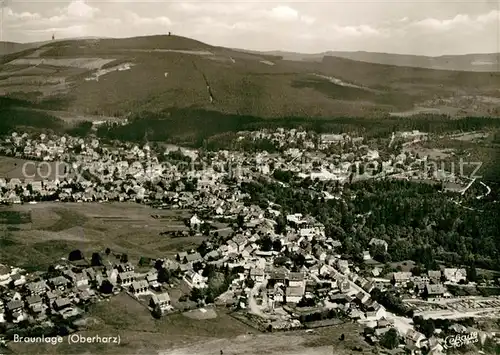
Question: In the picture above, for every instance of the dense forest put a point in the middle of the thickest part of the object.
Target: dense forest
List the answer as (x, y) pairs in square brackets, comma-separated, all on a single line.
[(14, 119), (196, 126), (418, 221)]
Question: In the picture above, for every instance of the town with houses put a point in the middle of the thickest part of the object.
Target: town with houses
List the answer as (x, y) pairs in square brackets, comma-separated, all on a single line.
[(275, 278), (85, 170)]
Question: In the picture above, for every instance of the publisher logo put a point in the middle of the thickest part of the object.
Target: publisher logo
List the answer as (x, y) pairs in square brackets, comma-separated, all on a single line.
[(457, 341)]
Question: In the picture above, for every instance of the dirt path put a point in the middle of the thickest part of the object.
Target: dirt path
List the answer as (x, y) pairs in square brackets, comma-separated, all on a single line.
[(253, 345), (252, 303)]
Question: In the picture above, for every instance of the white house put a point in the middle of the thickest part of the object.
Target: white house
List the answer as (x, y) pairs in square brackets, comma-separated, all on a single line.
[(247, 252), (213, 255), (294, 294), (343, 266), (139, 287), (343, 284), (295, 218), (193, 258), (257, 274), (161, 300), (124, 267), (37, 288), (195, 280), (195, 222), (401, 278), (455, 275), (113, 276), (435, 290), (126, 278), (232, 247), (377, 314), (240, 242), (152, 280), (362, 297), (308, 233), (14, 305), (414, 338), (296, 279), (325, 270), (435, 348), (59, 282), (81, 280)]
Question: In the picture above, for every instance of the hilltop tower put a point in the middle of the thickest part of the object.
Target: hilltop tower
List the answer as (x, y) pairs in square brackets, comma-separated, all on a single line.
[(53, 37)]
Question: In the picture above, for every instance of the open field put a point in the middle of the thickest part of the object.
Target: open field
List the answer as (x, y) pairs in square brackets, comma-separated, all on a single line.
[(180, 335), (53, 230), (16, 168)]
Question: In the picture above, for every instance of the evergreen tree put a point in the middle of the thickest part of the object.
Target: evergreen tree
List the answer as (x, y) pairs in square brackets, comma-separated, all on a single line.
[(96, 259), (390, 339)]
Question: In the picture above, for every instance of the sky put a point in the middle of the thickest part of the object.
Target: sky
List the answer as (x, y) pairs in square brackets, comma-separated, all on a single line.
[(420, 27)]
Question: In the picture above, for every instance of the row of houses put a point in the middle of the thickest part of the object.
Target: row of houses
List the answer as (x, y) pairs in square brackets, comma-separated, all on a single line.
[(67, 289)]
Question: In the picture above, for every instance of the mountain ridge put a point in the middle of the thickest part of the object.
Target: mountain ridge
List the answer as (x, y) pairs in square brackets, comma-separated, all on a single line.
[(119, 77), (481, 62)]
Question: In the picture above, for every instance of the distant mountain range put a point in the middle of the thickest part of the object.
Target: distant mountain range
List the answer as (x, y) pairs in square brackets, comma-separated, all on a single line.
[(488, 62), (478, 62), (127, 76)]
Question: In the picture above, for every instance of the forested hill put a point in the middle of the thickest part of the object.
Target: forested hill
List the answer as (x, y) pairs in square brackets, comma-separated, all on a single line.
[(116, 77)]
